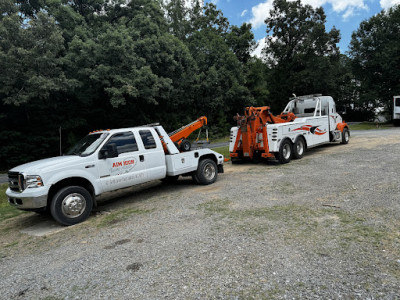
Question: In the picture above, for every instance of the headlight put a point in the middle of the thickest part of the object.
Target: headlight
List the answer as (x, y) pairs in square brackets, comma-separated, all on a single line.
[(33, 181)]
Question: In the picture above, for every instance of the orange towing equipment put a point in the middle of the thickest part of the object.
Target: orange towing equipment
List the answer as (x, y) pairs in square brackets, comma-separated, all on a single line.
[(180, 135), (253, 131)]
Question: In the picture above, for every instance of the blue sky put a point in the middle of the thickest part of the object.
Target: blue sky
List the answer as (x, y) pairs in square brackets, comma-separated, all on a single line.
[(345, 15)]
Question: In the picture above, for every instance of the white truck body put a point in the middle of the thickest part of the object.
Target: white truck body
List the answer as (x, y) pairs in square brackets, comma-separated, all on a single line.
[(316, 121), (140, 158), (396, 109)]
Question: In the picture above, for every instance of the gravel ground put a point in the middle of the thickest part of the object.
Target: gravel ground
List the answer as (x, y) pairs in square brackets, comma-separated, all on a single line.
[(323, 227)]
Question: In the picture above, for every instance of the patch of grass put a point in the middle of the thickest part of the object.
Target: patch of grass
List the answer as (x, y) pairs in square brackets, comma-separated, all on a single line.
[(11, 244), (220, 140), (369, 126), (222, 150), (6, 210), (119, 216), (272, 213), (305, 224)]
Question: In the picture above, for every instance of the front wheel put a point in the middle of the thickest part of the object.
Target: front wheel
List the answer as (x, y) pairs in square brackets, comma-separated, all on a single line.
[(207, 172), (285, 152), (345, 136), (71, 205)]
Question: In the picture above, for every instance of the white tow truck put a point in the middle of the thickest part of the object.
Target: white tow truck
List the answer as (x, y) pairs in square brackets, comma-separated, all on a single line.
[(396, 110), (307, 121), (105, 161)]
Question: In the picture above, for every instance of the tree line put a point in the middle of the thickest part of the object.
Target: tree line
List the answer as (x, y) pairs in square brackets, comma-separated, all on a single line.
[(71, 66)]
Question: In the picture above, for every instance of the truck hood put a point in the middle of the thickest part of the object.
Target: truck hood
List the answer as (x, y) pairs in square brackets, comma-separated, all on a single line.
[(44, 165)]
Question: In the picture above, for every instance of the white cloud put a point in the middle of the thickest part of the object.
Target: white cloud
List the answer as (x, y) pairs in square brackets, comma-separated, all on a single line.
[(260, 13), (260, 45), (243, 13), (388, 3), (349, 13), (347, 8)]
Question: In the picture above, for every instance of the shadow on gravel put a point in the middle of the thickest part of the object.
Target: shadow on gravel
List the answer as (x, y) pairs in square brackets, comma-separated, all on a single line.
[(275, 162)]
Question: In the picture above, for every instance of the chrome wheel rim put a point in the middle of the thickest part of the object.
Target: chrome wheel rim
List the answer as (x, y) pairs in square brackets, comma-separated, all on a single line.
[(73, 205), (209, 171), (300, 147), (286, 151)]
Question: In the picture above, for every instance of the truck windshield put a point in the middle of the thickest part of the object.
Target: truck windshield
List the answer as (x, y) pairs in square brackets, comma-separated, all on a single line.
[(88, 144)]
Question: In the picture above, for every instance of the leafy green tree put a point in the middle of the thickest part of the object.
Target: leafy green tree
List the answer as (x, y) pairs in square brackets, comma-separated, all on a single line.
[(241, 41), (375, 54), (257, 80), (299, 51)]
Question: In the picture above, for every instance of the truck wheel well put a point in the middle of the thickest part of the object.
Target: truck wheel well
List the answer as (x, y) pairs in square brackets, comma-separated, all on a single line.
[(210, 156), (78, 181)]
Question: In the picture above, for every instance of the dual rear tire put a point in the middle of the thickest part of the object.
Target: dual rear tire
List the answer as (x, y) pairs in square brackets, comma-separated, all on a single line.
[(289, 150)]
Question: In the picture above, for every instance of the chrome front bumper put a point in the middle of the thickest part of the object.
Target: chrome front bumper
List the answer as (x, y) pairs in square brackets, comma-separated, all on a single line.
[(21, 201)]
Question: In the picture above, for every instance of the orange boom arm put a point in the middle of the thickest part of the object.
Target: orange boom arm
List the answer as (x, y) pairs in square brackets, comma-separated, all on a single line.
[(178, 135), (253, 131)]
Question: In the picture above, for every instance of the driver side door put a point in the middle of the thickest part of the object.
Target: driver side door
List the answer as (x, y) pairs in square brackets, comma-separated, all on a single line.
[(127, 168)]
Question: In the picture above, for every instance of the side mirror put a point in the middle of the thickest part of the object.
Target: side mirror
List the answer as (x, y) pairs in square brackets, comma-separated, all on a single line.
[(109, 151)]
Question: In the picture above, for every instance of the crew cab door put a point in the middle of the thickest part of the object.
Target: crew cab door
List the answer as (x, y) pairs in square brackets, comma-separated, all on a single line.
[(153, 154), (127, 168)]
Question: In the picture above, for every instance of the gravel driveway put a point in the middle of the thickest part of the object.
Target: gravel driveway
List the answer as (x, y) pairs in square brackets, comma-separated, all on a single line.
[(323, 227)]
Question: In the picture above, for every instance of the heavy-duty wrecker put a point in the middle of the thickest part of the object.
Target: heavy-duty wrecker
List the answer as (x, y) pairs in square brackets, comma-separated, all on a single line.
[(307, 121)]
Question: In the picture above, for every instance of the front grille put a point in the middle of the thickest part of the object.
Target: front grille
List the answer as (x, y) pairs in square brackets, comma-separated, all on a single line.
[(15, 181)]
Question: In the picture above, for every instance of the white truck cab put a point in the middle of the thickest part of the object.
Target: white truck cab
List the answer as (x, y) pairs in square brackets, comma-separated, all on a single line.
[(101, 162), (396, 110)]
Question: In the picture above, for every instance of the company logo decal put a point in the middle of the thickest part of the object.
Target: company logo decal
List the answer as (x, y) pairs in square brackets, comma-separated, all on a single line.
[(122, 167), (312, 129)]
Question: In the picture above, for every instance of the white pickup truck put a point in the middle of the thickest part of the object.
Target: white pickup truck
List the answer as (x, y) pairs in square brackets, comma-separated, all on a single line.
[(105, 161)]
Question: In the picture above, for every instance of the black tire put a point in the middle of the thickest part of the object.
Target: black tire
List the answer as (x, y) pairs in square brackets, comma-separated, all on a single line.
[(185, 146), (71, 205), (195, 178), (299, 148), (345, 136), (170, 179), (207, 172), (285, 152)]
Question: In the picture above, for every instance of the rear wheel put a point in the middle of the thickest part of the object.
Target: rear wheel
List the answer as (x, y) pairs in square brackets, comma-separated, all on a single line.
[(285, 152), (345, 136), (299, 147), (207, 172), (71, 205)]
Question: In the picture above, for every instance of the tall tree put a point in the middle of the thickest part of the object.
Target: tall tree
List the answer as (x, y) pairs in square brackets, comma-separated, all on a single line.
[(375, 54), (300, 52)]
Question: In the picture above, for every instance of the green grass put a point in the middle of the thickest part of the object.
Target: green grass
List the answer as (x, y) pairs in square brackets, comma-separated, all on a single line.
[(222, 150), (302, 223), (118, 216), (6, 210), (369, 126), (220, 140)]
